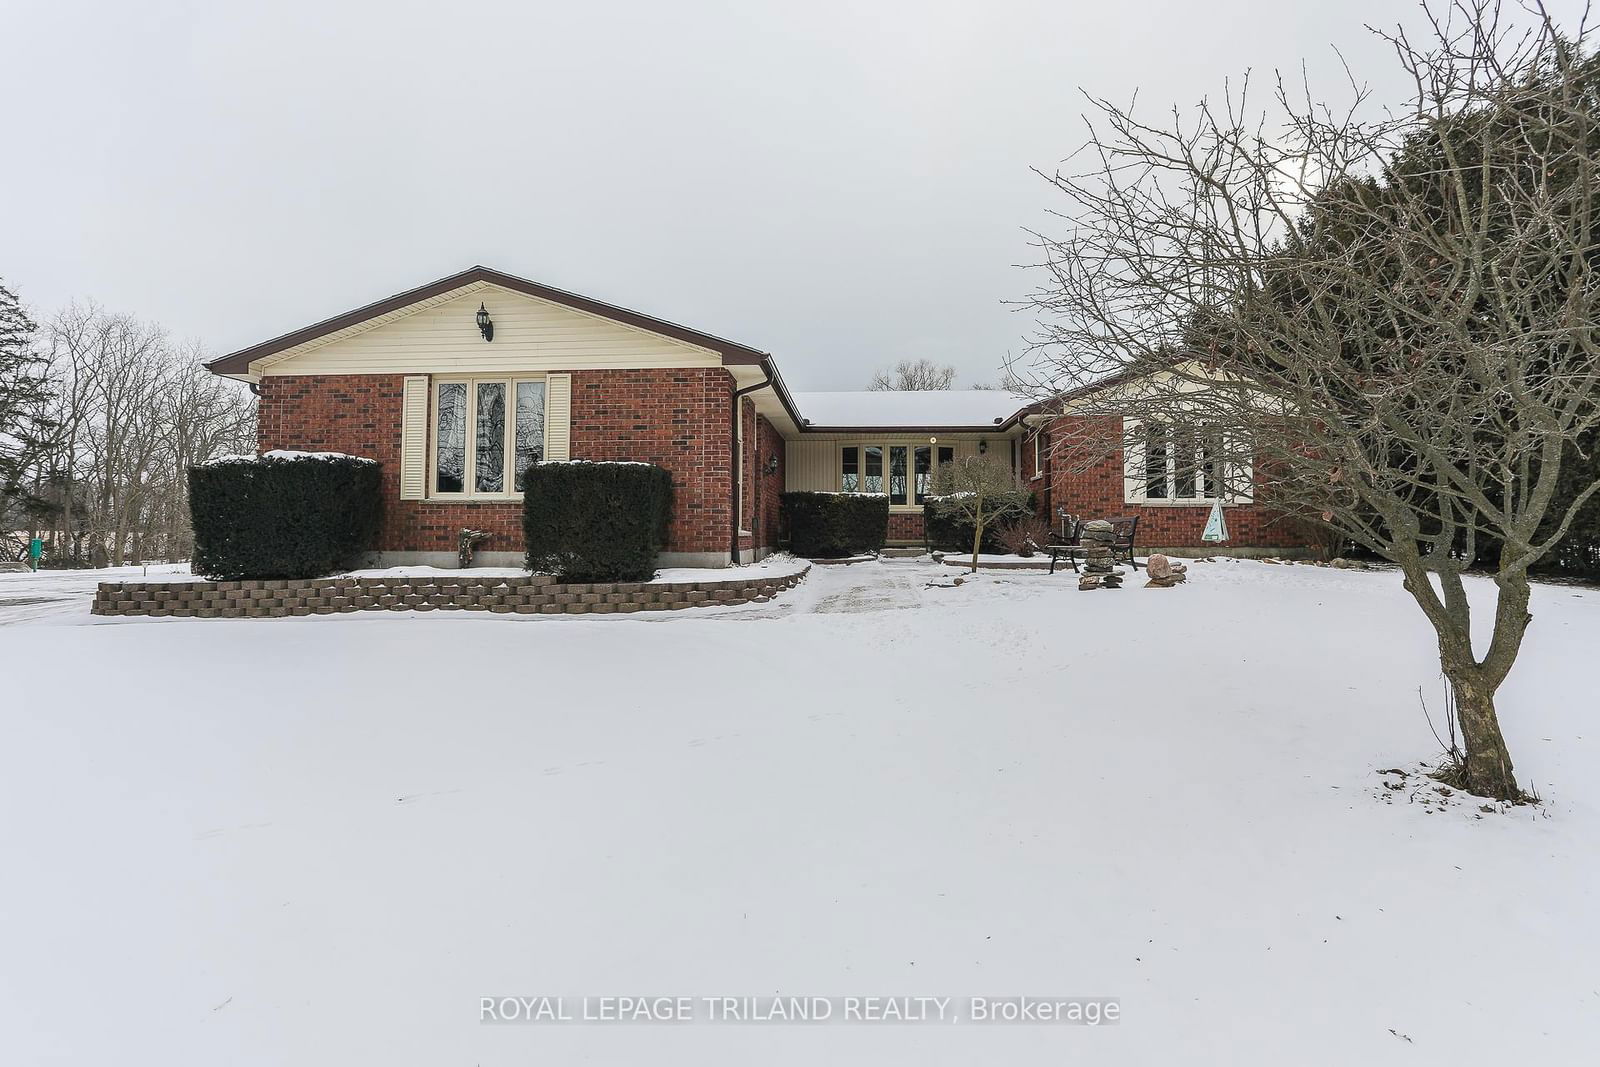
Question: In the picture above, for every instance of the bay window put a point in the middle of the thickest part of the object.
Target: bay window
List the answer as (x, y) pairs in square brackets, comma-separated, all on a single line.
[(486, 433)]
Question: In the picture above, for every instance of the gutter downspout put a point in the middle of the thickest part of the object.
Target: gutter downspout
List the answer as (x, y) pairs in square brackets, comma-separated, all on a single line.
[(733, 452)]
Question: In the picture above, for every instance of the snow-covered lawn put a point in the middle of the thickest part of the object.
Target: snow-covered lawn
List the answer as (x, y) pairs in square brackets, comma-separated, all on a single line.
[(322, 840)]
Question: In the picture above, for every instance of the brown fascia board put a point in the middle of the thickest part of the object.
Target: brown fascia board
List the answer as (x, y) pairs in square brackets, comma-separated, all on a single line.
[(907, 431), (732, 353)]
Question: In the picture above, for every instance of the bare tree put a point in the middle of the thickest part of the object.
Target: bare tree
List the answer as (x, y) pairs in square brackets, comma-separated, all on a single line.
[(134, 413), (1385, 324), (915, 375), (977, 491)]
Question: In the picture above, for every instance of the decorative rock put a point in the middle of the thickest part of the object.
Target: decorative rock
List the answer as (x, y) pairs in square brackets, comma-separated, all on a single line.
[(1099, 565), (1158, 566)]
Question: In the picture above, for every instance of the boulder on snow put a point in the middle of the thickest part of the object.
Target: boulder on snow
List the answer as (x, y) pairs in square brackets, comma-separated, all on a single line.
[(1159, 566)]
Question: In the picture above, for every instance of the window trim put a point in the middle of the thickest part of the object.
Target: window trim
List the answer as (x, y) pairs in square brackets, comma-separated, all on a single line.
[(1135, 476), (884, 445), (470, 466)]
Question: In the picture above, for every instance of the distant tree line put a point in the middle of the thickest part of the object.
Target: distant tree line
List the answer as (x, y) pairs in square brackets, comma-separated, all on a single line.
[(101, 415)]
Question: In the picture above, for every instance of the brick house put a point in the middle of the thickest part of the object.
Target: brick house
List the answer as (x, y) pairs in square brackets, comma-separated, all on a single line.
[(457, 385)]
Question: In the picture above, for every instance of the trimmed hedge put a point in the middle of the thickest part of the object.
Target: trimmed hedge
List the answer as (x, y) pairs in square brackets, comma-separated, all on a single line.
[(948, 532), (283, 514), (831, 525), (596, 522)]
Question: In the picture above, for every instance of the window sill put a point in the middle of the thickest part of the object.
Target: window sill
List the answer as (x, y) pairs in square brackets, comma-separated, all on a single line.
[(1195, 503), (479, 498)]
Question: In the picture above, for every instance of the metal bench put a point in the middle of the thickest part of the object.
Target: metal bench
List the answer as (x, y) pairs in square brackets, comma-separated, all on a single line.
[(1123, 527)]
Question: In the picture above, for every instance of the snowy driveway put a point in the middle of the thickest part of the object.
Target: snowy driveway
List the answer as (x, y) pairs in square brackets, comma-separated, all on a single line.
[(322, 840)]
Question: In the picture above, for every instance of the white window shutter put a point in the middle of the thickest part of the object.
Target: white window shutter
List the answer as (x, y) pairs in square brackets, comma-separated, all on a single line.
[(1134, 479), (414, 438), (558, 417)]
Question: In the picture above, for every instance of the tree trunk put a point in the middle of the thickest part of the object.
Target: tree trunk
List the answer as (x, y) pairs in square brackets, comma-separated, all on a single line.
[(1488, 762), (977, 533), (1487, 769)]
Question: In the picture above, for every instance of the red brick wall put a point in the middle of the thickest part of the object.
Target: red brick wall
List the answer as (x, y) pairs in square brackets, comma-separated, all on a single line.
[(905, 526), (1098, 492), (678, 418), (681, 419)]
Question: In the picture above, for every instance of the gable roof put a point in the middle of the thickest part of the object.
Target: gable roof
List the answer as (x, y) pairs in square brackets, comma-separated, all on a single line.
[(732, 353)]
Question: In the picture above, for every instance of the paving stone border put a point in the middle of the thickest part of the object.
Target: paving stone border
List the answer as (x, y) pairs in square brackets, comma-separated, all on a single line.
[(531, 595)]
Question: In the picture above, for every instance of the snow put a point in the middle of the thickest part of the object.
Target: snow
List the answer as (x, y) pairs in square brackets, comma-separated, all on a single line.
[(322, 840), (910, 409), (72, 588), (287, 454), (778, 565)]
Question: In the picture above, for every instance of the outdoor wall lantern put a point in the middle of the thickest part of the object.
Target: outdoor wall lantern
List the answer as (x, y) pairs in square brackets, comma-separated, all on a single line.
[(772, 463), (485, 323), (983, 447)]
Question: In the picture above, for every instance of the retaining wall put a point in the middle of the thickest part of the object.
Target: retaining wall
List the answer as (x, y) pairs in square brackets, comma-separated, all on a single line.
[(531, 595)]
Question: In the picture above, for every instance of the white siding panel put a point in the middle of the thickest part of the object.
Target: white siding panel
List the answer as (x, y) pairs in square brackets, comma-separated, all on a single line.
[(558, 417), (529, 335), (414, 438), (811, 465)]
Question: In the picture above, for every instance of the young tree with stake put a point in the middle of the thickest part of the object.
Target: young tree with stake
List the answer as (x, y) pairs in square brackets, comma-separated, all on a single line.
[(979, 492)]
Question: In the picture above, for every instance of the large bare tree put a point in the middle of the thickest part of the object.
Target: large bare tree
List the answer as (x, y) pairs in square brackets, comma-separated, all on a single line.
[(132, 412), (915, 375), (1385, 322)]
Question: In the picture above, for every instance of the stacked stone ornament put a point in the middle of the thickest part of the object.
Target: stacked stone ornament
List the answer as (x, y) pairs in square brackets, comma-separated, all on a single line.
[(1099, 566)]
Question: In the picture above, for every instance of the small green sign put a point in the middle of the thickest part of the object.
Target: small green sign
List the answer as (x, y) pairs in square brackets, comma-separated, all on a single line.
[(35, 550)]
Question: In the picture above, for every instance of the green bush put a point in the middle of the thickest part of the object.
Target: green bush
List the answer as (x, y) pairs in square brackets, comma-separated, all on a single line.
[(283, 514), (947, 531), (596, 522), (831, 525)]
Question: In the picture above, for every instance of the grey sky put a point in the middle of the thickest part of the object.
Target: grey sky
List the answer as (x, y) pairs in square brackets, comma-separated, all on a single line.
[(842, 185)]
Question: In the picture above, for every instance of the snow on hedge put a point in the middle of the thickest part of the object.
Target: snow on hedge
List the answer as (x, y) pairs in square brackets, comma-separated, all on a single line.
[(282, 455)]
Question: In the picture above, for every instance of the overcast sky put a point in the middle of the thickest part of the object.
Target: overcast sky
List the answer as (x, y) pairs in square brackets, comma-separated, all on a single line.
[(841, 185)]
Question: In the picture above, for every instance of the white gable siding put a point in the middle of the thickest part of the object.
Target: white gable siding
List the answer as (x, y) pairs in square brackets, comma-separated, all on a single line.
[(530, 335)]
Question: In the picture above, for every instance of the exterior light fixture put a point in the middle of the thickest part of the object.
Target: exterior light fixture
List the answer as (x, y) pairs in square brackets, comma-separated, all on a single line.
[(485, 323), (772, 463), (933, 440), (983, 447)]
